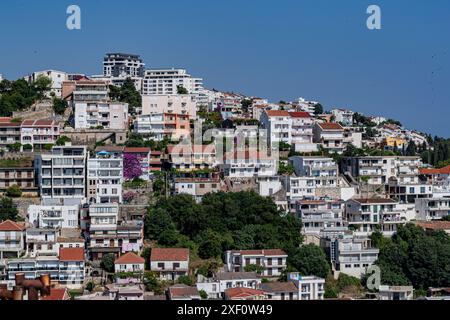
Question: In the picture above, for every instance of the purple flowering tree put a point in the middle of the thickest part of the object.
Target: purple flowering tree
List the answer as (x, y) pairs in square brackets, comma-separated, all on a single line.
[(131, 166), (129, 196)]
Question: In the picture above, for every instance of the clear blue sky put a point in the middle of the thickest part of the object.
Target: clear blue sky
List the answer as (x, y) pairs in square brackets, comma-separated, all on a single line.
[(318, 49)]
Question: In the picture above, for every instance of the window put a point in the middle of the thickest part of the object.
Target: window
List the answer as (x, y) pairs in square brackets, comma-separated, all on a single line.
[(161, 265)]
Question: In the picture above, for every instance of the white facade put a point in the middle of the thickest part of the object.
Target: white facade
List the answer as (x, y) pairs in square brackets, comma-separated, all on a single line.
[(273, 261), (166, 81), (343, 116), (396, 293), (105, 178), (309, 288), (249, 164), (106, 115), (432, 208), (174, 103), (215, 287), (57, 78), (62, 173), (66, 217)]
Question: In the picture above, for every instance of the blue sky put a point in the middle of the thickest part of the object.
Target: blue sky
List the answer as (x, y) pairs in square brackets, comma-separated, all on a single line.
[(318, 49)]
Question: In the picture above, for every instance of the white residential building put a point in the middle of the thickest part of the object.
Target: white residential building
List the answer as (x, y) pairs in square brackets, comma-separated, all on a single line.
[(105, 176), (105, 115), (12, 239), (368, 215), (273, 261), (309, 288), (169, 263), (62, 173), (432, 208), (39, 133), (345, 117), (307, 106), (396, 293), (352, 256), (52, 217), (215, 287), (166, 82), (183, 104), (57, 78), (330, 136), (129, 262), (249, 164)]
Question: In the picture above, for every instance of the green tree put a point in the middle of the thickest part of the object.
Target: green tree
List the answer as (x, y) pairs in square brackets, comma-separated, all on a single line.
[(310, 260), (42, 85), (203, 294), (8, 210), (127, 93), (186, 280), (14, 191), (318, 109), (107, 262), (259, 269), (59, 105), (62, 140), (182, 90), (15, 147)]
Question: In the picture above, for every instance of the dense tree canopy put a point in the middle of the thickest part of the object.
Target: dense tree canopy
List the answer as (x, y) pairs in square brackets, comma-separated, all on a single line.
[(127, 93), (221, 222), (415, 257), (310, 260), (8, 210)]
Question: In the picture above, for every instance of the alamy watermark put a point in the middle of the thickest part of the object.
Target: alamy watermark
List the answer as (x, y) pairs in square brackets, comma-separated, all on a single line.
[(73, 21), (374, 20)]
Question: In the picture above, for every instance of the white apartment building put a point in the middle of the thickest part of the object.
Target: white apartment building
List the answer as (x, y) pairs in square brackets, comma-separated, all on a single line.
[(12, 239), (67, 268), (215, 287), (306, 106), (105, 176), (330, 136), (395, 293), (352, 256), (105, 115), (368, 215), (432, 208), (163, 125), (42, 241), (122, 65), (249, 164), (39, 133), (170, 263), (57, 78), (294, 128), (319, 216), (166, 82), (309, 288), (174, 103), (62, 173), (343, 116), (196, 187), (273, 261), (191, 157), (439, 179), (53, 217), (129, 262)]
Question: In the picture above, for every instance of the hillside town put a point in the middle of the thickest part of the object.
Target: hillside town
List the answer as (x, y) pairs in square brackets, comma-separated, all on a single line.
[(141, 184)]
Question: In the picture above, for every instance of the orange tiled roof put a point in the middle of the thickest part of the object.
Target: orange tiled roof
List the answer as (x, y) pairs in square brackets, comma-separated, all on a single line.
[(330, 126), (169, 254), (426, 171), (129, 258), (277, 113), (241, 292), (57, 295), (9, 225), (71, 254)]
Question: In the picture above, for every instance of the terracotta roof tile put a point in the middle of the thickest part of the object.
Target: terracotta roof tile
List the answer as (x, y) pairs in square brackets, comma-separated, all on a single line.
[(57, 295), (71, 254), (242, 293), (9, 225), (330, 126), (277, 113), (169, 254), (129, 258)]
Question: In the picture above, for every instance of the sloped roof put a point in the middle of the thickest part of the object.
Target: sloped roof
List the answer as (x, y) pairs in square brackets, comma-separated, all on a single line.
[(129, 258)]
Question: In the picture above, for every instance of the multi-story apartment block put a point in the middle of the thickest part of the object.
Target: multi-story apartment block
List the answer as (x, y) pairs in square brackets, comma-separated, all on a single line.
[(191, 157), (57, 78), (105, 115), (330, 136), (62, 173), (369, 215), (18, 172), (215, 287), (163, 125), (439, 179), (343, 116), (352, 256), (67, 268), (309, 288), (174, 104), (307, 106), (118, 65), (12, 239), (321, 216), (41, 242), (105, 175), (294, 128), (53, 217), (166, 82), (108, 234), (197, 187), (9, 132), (273, 261), (39, 133), (85, 90), (280, 290), (395, 293), (432, 208), (143, 155), (170, 263), (249, 164)]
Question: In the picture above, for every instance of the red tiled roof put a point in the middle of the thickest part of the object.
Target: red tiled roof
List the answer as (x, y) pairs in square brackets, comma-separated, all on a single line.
[(330, 126), (137, 150), (71, 254), (38, 123), (169, 254), (129, 258), (242, 293), (375, 200), (183, 291), (277, 113), (57, 295), (264, 252), (434, 225), (426, 171), (301, 114), (9, 225)]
